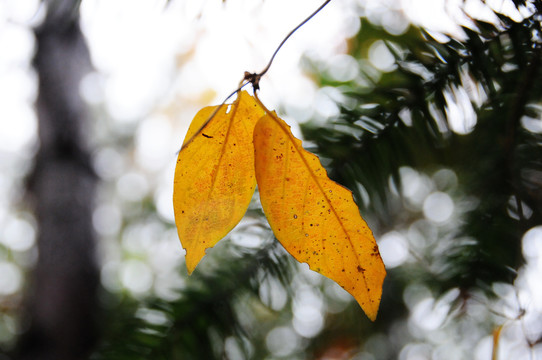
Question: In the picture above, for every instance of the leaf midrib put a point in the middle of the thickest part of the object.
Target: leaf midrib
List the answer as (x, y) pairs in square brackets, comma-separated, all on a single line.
[(315, 179)]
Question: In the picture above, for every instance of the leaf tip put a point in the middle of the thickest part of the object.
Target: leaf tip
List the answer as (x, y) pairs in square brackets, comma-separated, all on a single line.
[(372, 314), (192, 260), (371, 308)]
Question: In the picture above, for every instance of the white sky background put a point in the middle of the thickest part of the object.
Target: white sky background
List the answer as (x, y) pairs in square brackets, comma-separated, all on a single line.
[(196, 52), (156, 66)]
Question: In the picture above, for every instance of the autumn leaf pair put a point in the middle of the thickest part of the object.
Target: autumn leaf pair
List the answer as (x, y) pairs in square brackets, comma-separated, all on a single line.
[(226, 152)]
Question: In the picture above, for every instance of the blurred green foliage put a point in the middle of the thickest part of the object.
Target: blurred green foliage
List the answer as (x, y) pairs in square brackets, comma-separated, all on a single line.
[(403, 119)]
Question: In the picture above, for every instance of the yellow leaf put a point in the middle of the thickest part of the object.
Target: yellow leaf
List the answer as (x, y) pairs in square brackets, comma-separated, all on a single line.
[(314, 218), (496, 338), (214, 177)]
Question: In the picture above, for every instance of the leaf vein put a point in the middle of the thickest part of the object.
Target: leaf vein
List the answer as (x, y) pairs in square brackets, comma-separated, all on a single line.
[(222, 148), (300, 150)]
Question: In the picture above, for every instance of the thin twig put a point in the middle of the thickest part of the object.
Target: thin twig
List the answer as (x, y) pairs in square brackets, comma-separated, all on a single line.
[(254, 78)]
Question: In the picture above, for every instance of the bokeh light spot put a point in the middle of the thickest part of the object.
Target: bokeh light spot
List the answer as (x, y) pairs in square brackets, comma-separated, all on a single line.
[(282, 341), (532, 243), (10, 278), (381, 57), (438, 207), (393, 249), (136, 276)]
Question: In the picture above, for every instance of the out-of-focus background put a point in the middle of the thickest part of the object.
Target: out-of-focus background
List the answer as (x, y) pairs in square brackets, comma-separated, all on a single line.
[(429, 111)]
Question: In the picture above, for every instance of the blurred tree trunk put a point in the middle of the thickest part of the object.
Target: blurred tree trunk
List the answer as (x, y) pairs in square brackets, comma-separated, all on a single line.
[(61, 302)]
